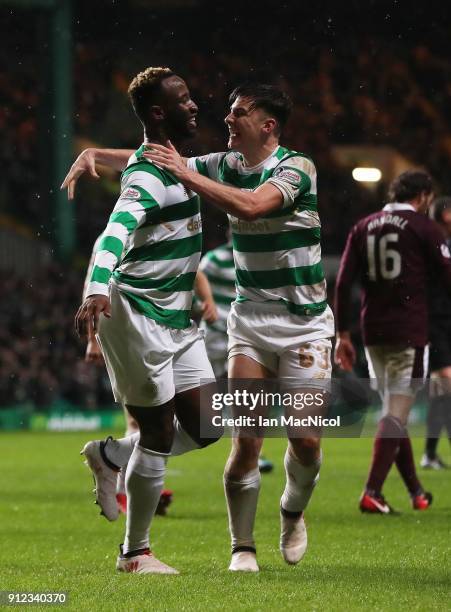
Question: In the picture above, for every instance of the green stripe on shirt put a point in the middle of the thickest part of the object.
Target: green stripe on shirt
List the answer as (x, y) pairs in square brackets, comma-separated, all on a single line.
[(175, 212), (100, 275), (169, 249), (144, 166), (124, 218), (217, 280), (112, 244), (282, 241), (270, 279), (182, 282), (179, 319)]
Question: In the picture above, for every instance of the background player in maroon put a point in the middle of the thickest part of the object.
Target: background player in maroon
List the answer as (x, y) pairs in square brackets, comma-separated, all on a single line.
[(393, 253), (439, 415)]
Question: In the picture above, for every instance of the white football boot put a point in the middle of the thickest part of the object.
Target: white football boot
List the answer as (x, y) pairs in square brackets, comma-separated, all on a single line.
[(105, 478), (143, 564), (244, 561), (293, 538)]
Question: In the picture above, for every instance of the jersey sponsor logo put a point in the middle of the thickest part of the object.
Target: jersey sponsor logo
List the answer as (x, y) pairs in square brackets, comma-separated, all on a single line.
[(445, 251), (286, 174), (194, 225), (250, 226), (131, 194)]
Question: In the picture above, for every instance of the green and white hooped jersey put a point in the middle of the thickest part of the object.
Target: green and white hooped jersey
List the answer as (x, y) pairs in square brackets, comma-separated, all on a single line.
[(278, 256), (151, 246), (219, 268)]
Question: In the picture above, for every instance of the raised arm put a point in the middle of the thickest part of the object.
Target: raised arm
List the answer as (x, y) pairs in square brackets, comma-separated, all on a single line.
[(86, 162), (248, 205)]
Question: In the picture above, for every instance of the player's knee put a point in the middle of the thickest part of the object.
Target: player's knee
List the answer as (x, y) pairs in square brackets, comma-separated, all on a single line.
[(306, 450), (244, 457)]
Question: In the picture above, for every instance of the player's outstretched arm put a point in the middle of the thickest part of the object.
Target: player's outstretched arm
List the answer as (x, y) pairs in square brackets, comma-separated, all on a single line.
[(202, 290), (248, 205), (86, 162)]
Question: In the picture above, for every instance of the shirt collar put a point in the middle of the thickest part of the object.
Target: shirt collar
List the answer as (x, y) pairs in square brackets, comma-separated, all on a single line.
[(394, 206), (252, 169)]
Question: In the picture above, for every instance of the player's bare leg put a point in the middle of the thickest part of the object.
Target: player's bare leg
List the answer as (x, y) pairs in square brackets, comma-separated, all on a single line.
[(242, 479)]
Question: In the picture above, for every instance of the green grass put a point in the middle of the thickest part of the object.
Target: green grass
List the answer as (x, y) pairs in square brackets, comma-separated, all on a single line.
[(52, 538)]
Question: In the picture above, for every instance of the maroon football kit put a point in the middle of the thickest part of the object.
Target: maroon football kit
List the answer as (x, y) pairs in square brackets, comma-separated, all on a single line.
[(394, 253)]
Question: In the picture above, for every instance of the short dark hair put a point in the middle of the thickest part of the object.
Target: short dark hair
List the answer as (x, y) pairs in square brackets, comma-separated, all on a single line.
[(409, 185), (439, 205), (267, 97), (144, 89)]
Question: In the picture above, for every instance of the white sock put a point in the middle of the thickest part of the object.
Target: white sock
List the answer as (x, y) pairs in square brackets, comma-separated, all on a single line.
[(143, 483), (242, 497), (300, 483), (183, 443), (119, 451), (120, 487)]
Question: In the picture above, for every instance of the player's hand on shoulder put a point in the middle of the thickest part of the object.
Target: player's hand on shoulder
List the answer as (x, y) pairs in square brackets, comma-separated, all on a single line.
[(85, 162), (345, 354), (87, 317), (167, 157)]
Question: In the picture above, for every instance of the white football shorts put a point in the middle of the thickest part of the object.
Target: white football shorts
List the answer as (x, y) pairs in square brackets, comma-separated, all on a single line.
[(397, 370), (290, 346), (148, 363)]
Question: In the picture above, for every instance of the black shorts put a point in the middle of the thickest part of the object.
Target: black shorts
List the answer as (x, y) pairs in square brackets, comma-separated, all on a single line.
[(440, 349)]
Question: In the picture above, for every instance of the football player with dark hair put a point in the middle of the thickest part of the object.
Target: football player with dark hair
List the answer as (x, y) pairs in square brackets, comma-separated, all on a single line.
[(393, 253)]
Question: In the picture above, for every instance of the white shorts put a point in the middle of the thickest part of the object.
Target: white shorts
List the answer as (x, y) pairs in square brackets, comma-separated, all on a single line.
[(216, 343), (397, 370), (290, 346), (149, 363)]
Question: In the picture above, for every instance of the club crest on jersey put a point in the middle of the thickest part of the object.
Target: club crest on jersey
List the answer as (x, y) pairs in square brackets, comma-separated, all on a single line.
[(131, 194), (288, 175)]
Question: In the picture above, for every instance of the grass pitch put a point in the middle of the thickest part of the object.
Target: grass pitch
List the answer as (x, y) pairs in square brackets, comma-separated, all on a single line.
[(52, 538)]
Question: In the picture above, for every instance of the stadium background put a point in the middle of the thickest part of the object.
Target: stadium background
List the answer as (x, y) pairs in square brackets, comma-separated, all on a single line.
[(371, 84)]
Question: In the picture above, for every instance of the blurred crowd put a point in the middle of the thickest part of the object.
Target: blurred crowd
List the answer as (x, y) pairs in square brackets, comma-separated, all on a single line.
[(374, 85), (371, 88), (41, 358)]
